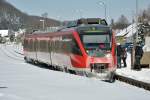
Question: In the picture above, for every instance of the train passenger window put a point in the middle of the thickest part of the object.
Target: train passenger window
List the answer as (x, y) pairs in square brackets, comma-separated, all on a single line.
[(38, 45), (52, 46), (70, 45), (75, 48), (35, 43), (66, 43), (56, 46), (30, 46), (43, 45), (25, 43)]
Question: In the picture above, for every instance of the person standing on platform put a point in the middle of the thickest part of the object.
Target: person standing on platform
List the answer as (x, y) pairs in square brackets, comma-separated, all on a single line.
[(119, 51), (124, 56), (138, 56)]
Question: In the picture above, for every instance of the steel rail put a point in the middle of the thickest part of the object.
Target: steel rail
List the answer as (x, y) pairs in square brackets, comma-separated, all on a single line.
[(133, 82), (8, 55)]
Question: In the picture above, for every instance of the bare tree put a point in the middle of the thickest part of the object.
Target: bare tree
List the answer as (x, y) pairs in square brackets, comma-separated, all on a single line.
[(121, 23)]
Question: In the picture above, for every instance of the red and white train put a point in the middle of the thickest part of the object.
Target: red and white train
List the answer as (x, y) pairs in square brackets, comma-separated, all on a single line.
[(88, 48)]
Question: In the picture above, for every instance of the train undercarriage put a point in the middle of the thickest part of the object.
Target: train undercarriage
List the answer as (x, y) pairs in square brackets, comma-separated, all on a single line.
[(98, 72)]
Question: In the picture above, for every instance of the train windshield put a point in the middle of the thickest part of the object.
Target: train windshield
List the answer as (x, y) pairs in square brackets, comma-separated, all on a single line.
[(96, 44)]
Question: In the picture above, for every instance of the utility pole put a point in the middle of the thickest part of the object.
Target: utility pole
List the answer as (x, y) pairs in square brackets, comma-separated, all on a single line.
[(79, 11), (105, 9), (133, 41), (42, 20), (136, 20), (136, 39)]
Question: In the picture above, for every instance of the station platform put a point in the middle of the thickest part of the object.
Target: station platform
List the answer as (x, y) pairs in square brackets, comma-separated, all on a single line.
[(142, 75)]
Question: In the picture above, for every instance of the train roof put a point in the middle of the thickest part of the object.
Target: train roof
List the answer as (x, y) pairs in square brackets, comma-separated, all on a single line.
[(84, 21), (89, 24), (79, 29), (89, 27)]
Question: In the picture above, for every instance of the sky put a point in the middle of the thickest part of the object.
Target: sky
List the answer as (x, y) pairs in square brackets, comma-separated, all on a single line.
[(74, 9)]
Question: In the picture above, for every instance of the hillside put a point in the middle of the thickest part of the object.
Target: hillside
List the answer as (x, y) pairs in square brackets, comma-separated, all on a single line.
[(13, 18)]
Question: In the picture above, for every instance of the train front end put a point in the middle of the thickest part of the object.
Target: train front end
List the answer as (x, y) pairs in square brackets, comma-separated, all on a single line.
[(98, 42)]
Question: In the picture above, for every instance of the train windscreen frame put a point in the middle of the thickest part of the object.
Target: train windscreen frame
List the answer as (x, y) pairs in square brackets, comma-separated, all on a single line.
[(96, 42)]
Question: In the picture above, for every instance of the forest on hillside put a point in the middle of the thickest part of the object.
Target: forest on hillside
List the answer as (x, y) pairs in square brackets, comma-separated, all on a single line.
[(14, 19)]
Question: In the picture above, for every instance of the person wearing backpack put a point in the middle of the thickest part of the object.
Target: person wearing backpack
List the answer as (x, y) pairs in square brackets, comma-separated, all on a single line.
[(138, 56)]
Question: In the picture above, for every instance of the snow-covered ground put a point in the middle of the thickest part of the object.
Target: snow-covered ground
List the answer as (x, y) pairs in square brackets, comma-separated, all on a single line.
[(22, 81), (143, 75)]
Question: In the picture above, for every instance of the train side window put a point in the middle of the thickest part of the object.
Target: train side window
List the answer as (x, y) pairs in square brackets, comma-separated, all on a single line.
[(46, 46), (52, 45), (41, 48), (35, 45), (70, 45), (30, 45), (75, 47), (25, 43), (66, 43), (32, 48), (43, 45), (56, 46), (40, 45)]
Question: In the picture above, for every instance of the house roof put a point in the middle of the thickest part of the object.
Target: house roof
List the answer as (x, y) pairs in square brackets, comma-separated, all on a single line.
[(4, 32), (129, 31)]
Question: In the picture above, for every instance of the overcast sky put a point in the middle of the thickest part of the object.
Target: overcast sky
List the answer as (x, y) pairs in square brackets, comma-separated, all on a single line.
[(73, 9)]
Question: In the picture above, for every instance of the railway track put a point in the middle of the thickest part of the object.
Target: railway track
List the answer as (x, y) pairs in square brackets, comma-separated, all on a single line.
[(133, 82), (13, 52), (9, 54)]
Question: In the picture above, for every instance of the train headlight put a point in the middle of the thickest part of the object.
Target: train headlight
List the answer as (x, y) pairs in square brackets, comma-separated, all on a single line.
[(108, 55)]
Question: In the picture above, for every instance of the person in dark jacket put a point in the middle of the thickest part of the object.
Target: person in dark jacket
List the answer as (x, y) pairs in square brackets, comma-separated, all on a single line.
[(119, 51), (138, 56), (124, 56)]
